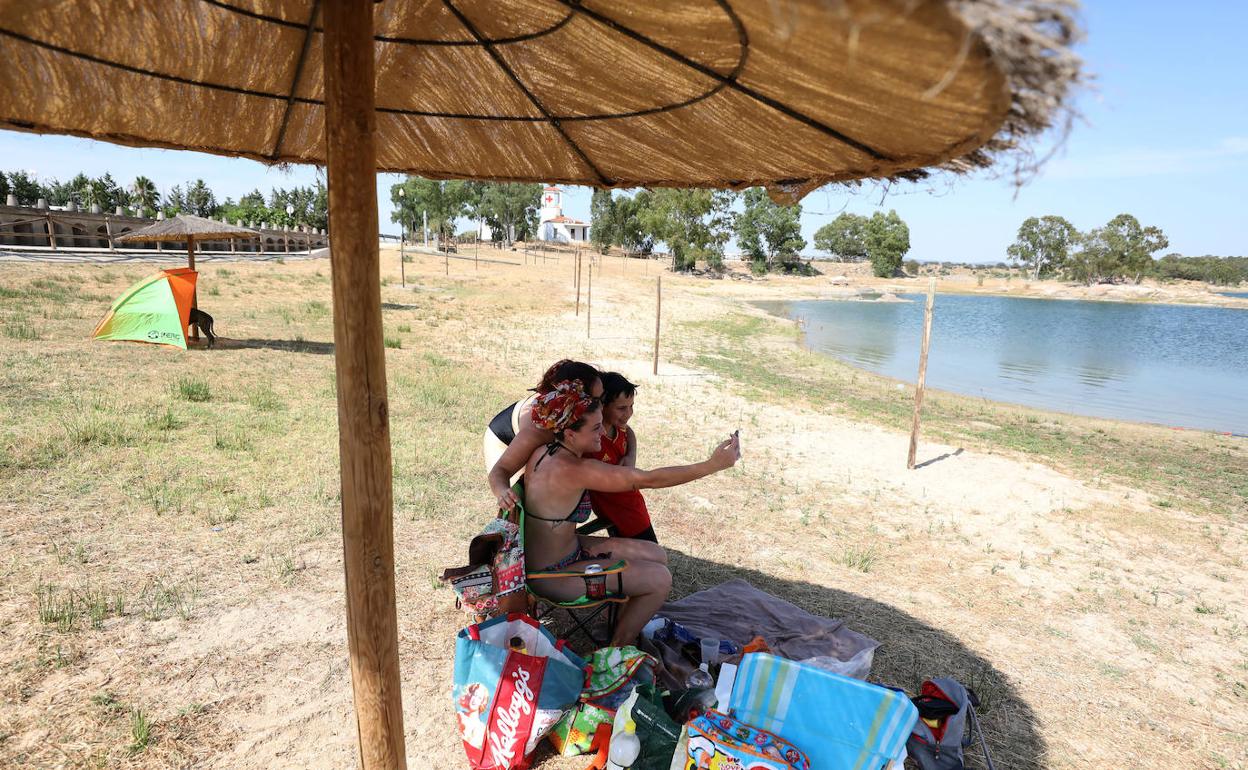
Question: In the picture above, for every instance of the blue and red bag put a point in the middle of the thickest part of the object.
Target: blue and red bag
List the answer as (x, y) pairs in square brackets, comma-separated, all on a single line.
[(513, 682)]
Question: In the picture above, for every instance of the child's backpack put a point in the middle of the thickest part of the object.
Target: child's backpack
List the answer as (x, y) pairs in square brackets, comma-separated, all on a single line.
[(946, 720)]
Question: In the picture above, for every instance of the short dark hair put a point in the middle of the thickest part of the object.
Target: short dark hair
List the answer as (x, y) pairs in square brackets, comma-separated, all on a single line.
[(567, 369), (615, 385)]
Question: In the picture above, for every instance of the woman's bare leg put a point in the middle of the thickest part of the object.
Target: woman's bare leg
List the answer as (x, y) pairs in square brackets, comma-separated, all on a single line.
[(647, 585), (625, 548)]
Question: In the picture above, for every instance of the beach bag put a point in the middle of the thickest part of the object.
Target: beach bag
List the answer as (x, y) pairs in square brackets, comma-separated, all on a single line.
[(492, 583), (513, 681), (612, 675), (716, 739), (838, 721), (943, 732)]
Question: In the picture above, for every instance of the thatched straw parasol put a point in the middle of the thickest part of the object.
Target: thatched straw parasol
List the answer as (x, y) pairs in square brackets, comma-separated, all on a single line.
[(788, 94), (186, 228)]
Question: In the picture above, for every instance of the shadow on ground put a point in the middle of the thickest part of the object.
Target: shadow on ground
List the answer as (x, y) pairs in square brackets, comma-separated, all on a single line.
[(910, 651), (290, 346)]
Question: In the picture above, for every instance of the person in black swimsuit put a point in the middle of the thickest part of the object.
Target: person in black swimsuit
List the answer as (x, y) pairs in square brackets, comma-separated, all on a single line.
[(511, 436), (557, 478)]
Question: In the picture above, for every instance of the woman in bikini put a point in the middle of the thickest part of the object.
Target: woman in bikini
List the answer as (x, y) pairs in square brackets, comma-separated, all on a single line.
[(511, 436), (557, 482)]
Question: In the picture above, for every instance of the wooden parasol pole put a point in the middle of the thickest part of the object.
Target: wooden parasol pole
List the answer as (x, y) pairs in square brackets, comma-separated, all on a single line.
[(360, 365), (918, 391), (658, 313), (190, 262)]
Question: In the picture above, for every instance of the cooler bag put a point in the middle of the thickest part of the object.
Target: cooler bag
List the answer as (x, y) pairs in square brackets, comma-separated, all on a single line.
[(838, 721), (513, 681)]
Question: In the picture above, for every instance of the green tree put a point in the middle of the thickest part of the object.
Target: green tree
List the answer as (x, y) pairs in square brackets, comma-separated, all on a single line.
[(175, 201), (200, 200), (1123, 248), (770, 233), (603, 220), (143, 194), (509, 208), (27, 190), (888, 240), (844, 237), (441, 201), (630, 232), (695, 224), (1043, 245), (4, 186)]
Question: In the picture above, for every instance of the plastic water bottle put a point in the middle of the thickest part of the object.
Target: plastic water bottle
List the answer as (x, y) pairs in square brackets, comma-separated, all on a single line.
[(625, 747), (700, 679)]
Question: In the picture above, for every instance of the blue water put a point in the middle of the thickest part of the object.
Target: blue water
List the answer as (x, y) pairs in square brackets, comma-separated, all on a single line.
[(1240, 294), (1166, 364)]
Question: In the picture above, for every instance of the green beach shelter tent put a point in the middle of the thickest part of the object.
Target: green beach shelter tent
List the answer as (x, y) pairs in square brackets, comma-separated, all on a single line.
[(154, 310)]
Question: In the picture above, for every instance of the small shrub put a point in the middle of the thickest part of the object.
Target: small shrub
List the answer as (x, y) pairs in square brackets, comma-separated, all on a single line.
[(191, 389), (166, 421), (93, 430), (214, 292), (862, 559), (316, 309), (394, 342), (405, 328), (235, 440)]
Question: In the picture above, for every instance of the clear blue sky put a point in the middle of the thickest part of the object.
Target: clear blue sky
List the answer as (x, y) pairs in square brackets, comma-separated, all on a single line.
[(1164, 137)]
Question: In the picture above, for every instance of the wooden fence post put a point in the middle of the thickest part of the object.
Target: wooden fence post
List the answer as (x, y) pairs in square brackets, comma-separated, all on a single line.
[(589, 299), (578, 285), (658, 314), (918, 390)]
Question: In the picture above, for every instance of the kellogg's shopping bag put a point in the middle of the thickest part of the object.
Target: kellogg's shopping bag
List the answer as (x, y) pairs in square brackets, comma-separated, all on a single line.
[(513, 681)]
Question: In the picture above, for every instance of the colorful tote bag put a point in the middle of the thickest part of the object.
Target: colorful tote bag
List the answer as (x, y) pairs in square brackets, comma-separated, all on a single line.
[(716, 740), (840, 722), (513, 682)]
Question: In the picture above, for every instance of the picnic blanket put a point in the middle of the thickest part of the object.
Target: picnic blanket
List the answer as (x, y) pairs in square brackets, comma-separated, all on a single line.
[(738, 611)]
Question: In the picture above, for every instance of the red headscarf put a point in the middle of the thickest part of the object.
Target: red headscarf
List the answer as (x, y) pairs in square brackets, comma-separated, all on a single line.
[(564, 405)]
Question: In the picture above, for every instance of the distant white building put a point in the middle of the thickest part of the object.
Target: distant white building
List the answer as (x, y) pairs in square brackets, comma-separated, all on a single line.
[(553, 225)]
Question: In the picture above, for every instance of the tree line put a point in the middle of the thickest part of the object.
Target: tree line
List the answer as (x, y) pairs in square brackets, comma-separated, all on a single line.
[(308, 205), (696, 225), (510, 209), (1121, 250)]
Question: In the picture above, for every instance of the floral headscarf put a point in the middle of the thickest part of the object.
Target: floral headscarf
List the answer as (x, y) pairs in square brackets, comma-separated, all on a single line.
[(561, 407)]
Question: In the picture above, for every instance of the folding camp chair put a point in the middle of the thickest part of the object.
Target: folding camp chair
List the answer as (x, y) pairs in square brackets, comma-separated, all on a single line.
[(581, 623)]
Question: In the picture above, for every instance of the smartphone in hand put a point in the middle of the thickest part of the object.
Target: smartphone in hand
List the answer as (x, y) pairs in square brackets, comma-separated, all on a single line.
[(737, 435)]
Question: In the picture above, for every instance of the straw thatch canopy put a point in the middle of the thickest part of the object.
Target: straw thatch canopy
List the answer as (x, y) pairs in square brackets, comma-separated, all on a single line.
[(186, 226), (789, 94)]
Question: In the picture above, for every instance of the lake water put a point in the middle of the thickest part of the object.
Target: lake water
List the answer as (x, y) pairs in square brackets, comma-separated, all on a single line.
[(1167, 364), (1240, 294)]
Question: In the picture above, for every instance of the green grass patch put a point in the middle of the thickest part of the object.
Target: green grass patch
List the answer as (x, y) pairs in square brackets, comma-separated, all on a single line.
[(394, 342), (265, 399), (192, 389), (20, 328)]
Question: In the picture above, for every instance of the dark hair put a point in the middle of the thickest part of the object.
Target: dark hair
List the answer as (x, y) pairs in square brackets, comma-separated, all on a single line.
[(594, 406), (615, 385), (567, 369)]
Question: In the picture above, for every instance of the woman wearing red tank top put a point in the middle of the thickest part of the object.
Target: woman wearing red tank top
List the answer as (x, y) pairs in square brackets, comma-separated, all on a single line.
[(626, 511)]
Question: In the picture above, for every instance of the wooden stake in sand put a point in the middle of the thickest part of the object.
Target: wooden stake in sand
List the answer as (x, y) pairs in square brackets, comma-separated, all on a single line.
[(402, 268), (658, 313), (589, 299), (918, 390), (578, 285), (360, 364)]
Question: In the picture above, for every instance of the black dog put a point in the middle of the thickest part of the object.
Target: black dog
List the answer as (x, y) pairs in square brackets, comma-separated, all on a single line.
[(204, 322)]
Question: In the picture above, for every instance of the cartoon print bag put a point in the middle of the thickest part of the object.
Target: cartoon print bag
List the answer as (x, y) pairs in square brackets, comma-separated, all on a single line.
[(718, 740), (513, 681), (612, 674)]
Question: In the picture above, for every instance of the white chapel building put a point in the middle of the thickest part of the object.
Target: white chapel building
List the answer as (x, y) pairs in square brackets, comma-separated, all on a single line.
[(553, 225)]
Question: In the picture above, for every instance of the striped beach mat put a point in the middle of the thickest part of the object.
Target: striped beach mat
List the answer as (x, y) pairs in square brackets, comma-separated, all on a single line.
[(840, 723)]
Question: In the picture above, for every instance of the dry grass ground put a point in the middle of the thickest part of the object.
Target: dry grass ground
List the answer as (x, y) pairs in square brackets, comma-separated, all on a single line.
[(170, 556)]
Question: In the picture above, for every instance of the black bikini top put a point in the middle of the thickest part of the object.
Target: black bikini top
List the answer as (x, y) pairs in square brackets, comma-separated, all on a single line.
[(580, 514)]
